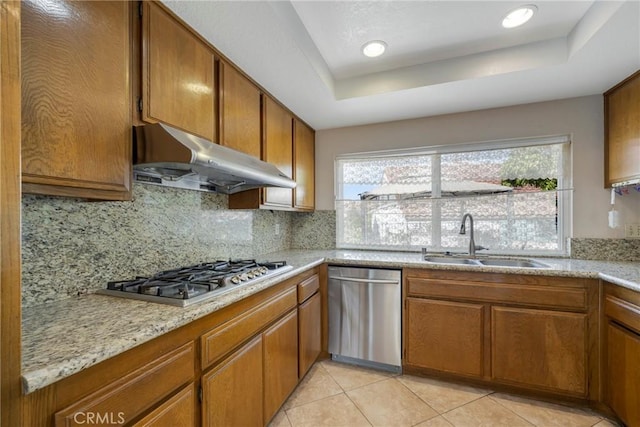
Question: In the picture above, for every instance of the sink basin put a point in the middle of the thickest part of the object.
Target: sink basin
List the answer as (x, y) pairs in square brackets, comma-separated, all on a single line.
[(489, 262), (518, 263), (451, 260)]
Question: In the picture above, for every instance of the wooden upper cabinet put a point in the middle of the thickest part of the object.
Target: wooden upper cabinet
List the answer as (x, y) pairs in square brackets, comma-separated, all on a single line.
[(76, 114), (278, 150), (240, 111), (622, 131), (304, 161), (178, 74)]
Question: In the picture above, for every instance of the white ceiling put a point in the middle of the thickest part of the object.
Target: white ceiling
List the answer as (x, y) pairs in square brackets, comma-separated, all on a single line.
[(443, 56)]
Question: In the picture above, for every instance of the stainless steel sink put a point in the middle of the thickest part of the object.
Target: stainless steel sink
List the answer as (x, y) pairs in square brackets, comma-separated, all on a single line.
[(517, 263), (489, 262), (451, 260)]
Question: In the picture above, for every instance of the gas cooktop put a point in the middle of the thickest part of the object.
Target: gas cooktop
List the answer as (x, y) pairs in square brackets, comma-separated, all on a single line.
[(185, 286)]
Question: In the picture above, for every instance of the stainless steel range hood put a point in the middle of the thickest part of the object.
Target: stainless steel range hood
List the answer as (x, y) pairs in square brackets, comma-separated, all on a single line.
[(164, 155)]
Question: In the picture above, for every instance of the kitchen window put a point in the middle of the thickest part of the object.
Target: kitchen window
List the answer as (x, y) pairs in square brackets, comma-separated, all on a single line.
[(518, 191)]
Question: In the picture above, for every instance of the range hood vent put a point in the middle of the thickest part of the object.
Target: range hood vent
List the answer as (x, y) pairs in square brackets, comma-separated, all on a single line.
[(164, 155)]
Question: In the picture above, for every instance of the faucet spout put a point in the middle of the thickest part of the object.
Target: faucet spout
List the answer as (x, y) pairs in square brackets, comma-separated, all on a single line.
[(463, 230)]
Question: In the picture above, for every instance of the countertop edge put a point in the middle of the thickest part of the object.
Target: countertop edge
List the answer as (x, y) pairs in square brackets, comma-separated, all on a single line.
[(41, 377)]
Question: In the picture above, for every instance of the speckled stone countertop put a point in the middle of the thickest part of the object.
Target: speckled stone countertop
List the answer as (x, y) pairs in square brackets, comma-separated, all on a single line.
[(62, 338)]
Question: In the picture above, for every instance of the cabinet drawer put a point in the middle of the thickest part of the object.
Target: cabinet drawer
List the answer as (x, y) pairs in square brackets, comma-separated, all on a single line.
[(308, 288), (538, 296), (623, 312), (177, 411), (227, 336), (149, 384)]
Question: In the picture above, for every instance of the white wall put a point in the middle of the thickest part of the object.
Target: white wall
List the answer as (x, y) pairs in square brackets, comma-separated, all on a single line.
[(581, 117)]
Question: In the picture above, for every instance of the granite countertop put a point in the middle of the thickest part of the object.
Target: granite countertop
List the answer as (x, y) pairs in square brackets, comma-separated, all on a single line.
[(62, 338)]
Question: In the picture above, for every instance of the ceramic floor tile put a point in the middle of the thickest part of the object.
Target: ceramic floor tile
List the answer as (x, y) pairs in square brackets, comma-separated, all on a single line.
[(546, 414), (334, 411), (435, 422), (390, 403), (484, 412), (317, 384), (442, 396), (350, 377), (280, 420)]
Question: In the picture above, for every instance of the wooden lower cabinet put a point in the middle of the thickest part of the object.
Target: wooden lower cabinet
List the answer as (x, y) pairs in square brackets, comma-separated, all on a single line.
[(280, 347), (232, 391), (444, 336), (132, 395), (621, 347), (310, 333), (177, 411), (540, 348), (623, 373), (530, 333)]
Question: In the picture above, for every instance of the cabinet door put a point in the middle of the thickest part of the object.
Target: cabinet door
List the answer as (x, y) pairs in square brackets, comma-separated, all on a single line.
[(280, 344), (239, 112), (622, 373), (309, 328), (278, 149), (445, 336), (177, 411), (232, 391), (622, 131), (76, 116), (304, 153), (539, 348), (177, 74)]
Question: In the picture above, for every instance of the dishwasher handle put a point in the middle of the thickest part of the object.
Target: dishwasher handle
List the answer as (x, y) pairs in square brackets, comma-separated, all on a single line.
[(374, 281)]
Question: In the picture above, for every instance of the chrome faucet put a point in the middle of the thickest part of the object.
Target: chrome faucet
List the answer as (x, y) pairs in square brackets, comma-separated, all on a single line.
[(463, 230)]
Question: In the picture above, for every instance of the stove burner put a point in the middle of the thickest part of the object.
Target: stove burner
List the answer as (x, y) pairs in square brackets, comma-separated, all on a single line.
[(185, 285)]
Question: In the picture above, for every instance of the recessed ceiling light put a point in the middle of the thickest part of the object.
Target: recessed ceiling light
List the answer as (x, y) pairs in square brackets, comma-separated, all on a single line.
[(519, 16), (374, 48)]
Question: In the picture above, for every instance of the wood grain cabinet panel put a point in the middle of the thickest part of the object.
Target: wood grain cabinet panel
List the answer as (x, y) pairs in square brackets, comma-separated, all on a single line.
[(240, 111), (280, 346), (149, 384), (445, 336), (622, 131), (227, 336), (304, 161), (76, 114), (278, 150), (540, 348), (232, 392), (179, 410), (177, 74), (310, 333), (622, 373)]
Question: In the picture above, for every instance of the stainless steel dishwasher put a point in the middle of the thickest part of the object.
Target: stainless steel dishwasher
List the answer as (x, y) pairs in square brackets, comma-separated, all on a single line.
[(365, 317)]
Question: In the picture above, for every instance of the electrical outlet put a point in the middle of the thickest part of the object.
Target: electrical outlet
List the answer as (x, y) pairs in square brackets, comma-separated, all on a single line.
[(632, 231), (277, 229)]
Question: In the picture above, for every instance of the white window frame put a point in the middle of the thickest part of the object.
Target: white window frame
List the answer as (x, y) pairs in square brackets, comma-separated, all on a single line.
[(565, 181)]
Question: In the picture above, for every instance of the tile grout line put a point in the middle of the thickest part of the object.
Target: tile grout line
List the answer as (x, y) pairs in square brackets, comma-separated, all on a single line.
[(449, 410), (516, 414), (359, 409)]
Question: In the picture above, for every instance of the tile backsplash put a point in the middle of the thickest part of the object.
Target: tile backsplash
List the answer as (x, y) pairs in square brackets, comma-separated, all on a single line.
[(72, 246), (606, 249)]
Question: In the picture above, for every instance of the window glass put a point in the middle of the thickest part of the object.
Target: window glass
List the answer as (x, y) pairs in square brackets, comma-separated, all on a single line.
[(516, 195)]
